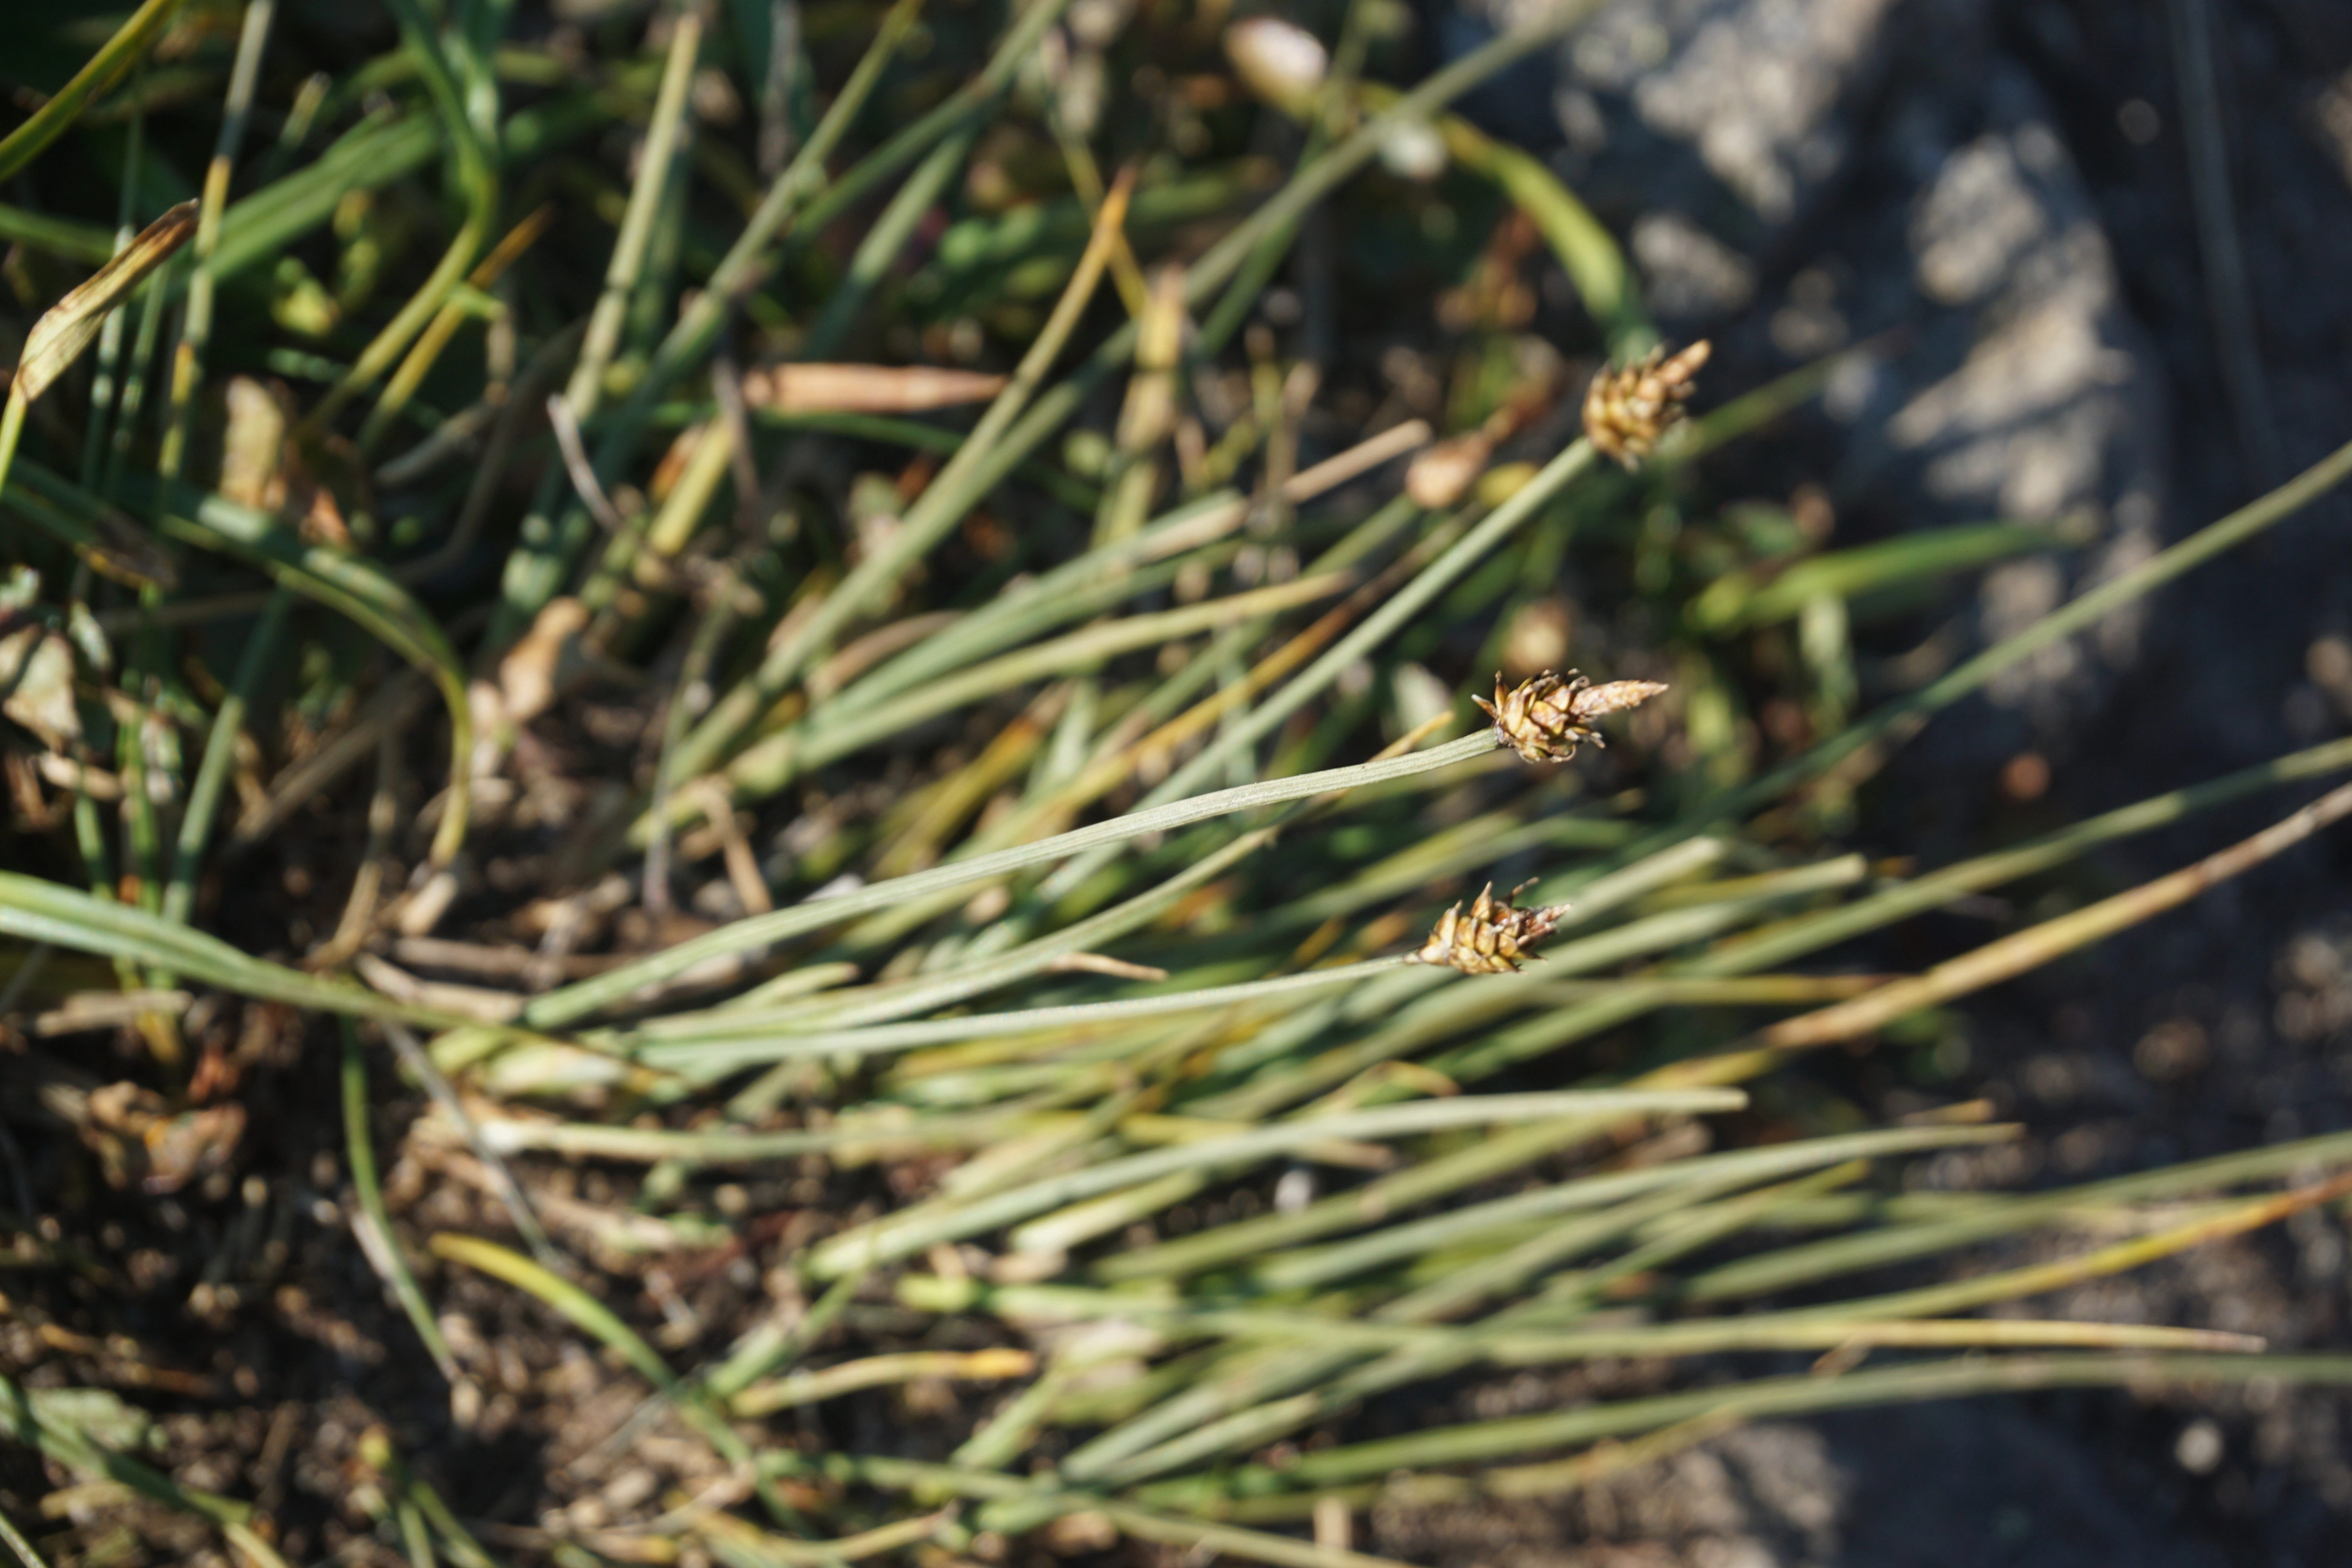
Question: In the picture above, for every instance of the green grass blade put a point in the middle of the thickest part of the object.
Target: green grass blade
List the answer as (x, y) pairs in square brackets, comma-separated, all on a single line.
[(360, 1146), (904, 1234), (27, 141), (41, 910), (577, 1001)]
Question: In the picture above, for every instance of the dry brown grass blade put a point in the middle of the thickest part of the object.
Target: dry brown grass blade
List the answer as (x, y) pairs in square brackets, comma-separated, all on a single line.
[(2016, 954), (866, 388), (799, 1388), (69, 326), (2039, 1278)]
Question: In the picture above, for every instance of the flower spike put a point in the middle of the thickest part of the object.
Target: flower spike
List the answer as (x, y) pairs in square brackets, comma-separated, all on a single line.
[(1492, 938), (1627, 409), (1545, 718)]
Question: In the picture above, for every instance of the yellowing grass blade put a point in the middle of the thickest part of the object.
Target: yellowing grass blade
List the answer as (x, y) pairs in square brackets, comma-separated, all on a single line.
[(67, 328)]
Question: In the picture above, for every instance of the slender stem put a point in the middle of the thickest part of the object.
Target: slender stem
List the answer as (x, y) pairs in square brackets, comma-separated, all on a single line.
[(655, 170), (579, 1000), (220, 753), (153, 297), (12, 427), (2027, 949), (25, 143), (905, 1234), (359, 1147), (17, 1543), (718, 1041), (1814, 1262), (1954, 1378), (196, 324), (105, 383)]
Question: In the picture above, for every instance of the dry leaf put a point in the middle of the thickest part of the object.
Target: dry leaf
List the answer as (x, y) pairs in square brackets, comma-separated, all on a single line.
[(530, 675), (1441, 476), (37, 669), (253, 450)]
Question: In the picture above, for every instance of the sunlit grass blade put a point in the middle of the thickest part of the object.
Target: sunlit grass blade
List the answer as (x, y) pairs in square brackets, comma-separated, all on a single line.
[(577, 1001), (2024, 951), (28, 141), (43, 912), (1812, 1262), (1956, 1378), (914, 1231)]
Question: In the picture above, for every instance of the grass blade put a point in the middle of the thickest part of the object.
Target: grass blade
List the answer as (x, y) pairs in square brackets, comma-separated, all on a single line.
[(27, 141)]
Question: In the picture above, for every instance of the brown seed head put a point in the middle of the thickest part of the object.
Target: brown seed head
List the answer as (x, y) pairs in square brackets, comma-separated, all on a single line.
[(1627, 409), (1492, 938), (1545, 718)]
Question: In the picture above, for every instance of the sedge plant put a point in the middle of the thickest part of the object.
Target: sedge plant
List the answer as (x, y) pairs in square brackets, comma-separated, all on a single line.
[(817, 735)]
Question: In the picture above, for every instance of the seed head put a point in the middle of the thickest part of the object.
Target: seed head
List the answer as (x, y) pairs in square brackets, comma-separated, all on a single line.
[(1545, 718), (1492, 938), (1627, 409)]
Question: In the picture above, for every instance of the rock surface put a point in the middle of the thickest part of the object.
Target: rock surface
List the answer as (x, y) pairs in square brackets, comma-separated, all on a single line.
[(1991, 197)]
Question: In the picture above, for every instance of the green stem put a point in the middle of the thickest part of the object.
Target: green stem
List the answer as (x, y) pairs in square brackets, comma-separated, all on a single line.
[(654, 172), (196, 324), (220, 753), (1956, 1378), (904, 1234), (579, 1000), (25, 143), (360, 1146), (17, 1543), (12, 427)]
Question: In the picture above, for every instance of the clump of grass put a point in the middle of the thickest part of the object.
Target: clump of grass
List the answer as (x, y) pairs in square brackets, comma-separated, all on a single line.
[(1059, 792)]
